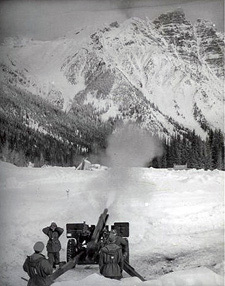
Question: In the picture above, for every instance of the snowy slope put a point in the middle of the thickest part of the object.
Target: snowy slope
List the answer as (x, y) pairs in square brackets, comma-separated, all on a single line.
[(134, 65), (176, 220), (35, 68), (160, 74)]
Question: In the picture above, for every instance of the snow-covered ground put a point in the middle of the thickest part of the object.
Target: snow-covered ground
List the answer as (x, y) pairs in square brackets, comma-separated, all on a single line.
[(176, 220)]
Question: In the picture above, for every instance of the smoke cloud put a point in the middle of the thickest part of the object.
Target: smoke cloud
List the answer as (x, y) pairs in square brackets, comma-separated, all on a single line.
[(130, 146)]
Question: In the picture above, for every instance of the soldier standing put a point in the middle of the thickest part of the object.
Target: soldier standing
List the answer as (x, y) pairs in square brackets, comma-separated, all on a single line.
[(53, 245), (37, 267)]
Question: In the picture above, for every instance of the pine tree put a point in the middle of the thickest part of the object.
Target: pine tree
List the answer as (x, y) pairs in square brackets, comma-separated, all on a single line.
[(207, 155)]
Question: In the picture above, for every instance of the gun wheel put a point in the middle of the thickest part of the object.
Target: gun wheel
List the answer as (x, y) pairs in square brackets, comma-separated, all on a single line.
[(71, 249)]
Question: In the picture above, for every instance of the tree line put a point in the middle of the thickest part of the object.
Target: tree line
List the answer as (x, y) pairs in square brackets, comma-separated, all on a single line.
[(32, 130), (63, 139), (20, 145), (192, 150)]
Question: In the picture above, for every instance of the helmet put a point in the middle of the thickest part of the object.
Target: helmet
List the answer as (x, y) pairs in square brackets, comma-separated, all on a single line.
[(39, 246)]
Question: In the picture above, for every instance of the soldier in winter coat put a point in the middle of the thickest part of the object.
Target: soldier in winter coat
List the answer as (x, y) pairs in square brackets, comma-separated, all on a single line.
[(53, 245), (122, 242), (111, 259), (38, 267)]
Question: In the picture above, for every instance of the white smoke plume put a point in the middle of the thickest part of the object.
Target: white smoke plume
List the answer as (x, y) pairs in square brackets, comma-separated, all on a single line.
[(131, 146)]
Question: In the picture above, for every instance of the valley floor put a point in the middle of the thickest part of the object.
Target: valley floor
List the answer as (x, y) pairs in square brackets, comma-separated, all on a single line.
[(176, 220)]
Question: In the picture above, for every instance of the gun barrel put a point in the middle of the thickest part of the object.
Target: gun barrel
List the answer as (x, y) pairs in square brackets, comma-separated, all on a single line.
[(100, 225), (93, 243)]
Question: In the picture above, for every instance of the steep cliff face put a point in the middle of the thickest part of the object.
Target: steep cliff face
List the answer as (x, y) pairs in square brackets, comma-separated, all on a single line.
[(210, 46), (166, 75), (179, 33)]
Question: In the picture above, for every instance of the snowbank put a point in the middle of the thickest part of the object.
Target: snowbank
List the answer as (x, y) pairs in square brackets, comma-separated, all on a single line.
[(176, 220)]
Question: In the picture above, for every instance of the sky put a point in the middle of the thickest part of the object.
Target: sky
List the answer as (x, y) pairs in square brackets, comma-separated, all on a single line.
[(51, 19)]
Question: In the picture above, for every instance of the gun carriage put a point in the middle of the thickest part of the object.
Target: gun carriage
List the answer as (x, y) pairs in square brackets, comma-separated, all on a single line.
[(85, 241)]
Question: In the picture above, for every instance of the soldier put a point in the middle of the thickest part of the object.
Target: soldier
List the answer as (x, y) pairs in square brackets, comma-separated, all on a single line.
[(84, 236), (122, 242), (111, 259), (53, 245), (37, 267), (104, 238)]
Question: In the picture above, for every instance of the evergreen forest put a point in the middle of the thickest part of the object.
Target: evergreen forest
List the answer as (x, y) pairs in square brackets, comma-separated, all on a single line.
[(192, 150), (63, 139)]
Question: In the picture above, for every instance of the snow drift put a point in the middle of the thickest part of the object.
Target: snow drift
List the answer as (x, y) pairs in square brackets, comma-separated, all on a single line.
[(176, 220)]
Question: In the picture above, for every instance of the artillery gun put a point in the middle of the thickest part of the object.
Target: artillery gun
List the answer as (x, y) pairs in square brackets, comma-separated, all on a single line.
[(90, 238), (85, 242)]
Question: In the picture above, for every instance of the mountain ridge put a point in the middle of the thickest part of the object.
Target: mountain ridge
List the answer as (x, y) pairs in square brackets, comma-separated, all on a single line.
[(149, 72)]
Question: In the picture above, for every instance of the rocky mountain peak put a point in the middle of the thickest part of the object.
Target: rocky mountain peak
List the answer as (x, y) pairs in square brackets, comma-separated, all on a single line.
[(174, 17), (210, 45), (179, 34)]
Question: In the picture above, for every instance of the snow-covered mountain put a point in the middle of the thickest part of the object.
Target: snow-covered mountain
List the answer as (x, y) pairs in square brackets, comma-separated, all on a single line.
[(165, 74)]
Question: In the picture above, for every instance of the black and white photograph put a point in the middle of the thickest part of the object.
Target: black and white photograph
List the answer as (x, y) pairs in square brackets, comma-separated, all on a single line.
[(112, 142)]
